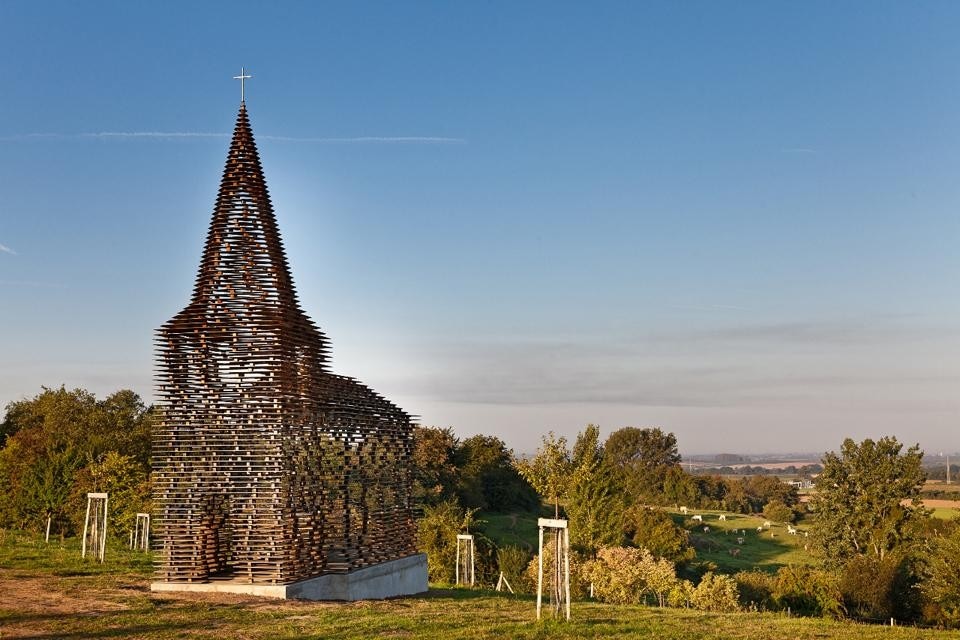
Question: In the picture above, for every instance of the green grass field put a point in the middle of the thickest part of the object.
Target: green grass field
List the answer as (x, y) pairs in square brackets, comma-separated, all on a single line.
[(767, 550), (517, 529), (47, 591), (945, 513)]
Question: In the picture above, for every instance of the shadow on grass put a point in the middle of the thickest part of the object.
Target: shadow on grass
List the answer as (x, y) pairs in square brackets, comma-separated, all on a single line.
[(105, 628), (455, 593), (132, 631)]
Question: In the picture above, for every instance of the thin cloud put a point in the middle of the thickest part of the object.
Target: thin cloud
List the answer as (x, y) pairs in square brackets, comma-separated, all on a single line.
[(32, 284), (151, 134), (4, 248), (174, 135), (372, 139)]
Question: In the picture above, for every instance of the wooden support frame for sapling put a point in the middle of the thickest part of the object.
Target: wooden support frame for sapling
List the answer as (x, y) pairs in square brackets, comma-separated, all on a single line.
[(97, 528), (140, 536), (561, 561), (465, 540)]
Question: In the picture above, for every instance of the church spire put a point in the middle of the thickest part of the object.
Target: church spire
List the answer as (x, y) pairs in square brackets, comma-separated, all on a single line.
[(243, 252)]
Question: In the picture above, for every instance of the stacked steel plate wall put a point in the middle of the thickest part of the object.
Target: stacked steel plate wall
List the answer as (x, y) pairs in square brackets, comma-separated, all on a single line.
[(267, 466)]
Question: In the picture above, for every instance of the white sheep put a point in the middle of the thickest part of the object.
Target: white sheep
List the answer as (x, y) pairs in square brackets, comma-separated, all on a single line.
[(698, 518), (723, 517)]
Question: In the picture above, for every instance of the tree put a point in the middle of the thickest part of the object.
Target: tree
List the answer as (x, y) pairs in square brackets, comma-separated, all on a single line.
[(127, 484), (643, 458), (867, 499), (763, 489), (47, 488), (777, 511), (437, 537), (488, 480), (49, 441), (550, 470), (656, 531), (679, 487), (940, 585), (434, 471), (595, 502)]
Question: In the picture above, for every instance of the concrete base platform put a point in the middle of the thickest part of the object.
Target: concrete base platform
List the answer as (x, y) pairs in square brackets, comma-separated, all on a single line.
[(403, 577)]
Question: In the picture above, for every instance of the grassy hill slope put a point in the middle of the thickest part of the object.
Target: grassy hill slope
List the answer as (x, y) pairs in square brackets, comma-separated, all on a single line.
[(46, 591)]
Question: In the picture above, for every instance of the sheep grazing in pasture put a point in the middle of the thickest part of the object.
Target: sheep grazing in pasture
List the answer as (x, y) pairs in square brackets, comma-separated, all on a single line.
[(723, 517), (698, 518), (706, 529), (684, 510)]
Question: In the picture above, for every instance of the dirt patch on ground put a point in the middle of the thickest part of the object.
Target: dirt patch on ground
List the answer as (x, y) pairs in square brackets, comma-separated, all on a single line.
[(50, 595)]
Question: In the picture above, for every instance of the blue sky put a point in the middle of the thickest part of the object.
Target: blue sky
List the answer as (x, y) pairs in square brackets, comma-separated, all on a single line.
[(737, 221)]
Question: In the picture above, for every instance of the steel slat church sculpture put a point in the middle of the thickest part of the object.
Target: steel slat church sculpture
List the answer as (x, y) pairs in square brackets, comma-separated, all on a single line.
[(268, 468)]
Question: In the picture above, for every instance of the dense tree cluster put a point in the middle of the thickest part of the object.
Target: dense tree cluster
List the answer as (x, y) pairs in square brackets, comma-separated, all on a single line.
[(61, 444)]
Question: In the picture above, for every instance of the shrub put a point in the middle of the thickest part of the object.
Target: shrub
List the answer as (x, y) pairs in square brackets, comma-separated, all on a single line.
[(437, 537), (656, 531), (681, 595), (528, 581), (127, 484), (809, 592), (716, 593), (940, 586), (777, 511), (512, 561), (756, 590), (878, 589), (630, 576)]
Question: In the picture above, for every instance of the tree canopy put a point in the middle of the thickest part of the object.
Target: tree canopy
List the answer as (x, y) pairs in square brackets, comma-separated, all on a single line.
[(643, 458), (867, 498), (595, 500), (550, 470), (53, 443)]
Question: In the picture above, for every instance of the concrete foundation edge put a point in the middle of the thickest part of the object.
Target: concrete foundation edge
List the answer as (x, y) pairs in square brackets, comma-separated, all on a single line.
[(403, 577)]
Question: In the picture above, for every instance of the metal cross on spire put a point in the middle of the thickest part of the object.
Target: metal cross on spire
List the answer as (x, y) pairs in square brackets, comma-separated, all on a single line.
[(241, 78)]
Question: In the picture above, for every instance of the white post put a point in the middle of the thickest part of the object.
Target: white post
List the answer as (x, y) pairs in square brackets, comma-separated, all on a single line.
[(49, 517), (103, 539), (86, 521), (540, 574), (456, 571), (566, 567), (473, 575)]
